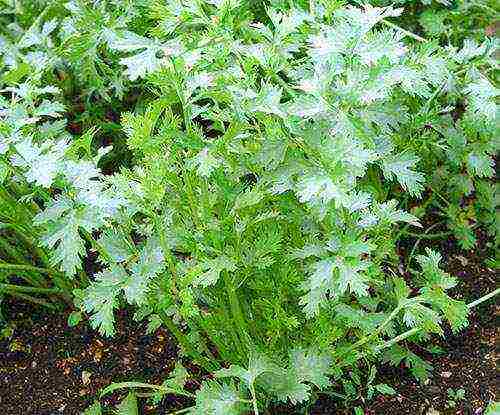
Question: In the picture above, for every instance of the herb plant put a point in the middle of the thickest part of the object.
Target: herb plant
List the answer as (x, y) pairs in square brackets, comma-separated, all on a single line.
[(272, 162)]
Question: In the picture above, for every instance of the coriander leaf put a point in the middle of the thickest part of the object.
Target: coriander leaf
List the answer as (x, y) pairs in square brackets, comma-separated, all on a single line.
[(400, 167)]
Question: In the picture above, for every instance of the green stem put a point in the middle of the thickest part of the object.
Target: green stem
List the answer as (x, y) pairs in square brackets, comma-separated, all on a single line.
[(26, 289), (19, 267), (96, 246), (420, 237), (406, 32), (237, 314), (180, 411), (428, 236), (416, 330), (29, 298), (483, 299), (183, 340), (254, 399), (378, 330)]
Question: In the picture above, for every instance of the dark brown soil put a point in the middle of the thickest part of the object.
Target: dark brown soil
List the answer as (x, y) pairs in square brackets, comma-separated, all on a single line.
[(48, 368)]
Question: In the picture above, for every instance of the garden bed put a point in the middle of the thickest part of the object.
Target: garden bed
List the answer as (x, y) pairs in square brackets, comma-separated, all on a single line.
[(45, 368)]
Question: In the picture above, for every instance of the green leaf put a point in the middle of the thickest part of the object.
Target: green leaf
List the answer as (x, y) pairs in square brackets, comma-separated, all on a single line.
[(219, 399), (433, 21), (257, 365), (4, 172), (150, 53), (389, 214), (385, 389), (74, 318), (287, 387), (319, 188), (63, 220), (480, 165), (128, 406), (95, 409), (482, 95), (178, 378), (418, 367), (212, 269), (248, 198), (493, 409), (204, 163), (49, 109), (128, 385), (401, 289), (400, 167), (311, 367), (116, 245), (358, 411), (149, 265), (43, 163), (100, 298)]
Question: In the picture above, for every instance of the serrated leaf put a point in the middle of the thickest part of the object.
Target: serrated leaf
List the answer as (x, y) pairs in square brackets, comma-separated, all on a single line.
[(418, 367), (311, 367), (148, 266), (248, 198), (319, 188), (401, 167), (482, 96), (43, 163), (219, 399), (100, 298), (480, 165), (385, 389), (49, 109), (153, 55), (116, 245), (257, 365), (204, 163), (62, 234), (287, 387), (351, 278), (212, 269), (389, 214)]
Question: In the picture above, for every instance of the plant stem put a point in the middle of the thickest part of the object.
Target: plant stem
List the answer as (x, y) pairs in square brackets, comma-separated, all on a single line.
[(420, 237), (236, 312), (180, 411), (19, 267), (254, 399), (378, 330), (34, 300), (26, 289), (415, 330), (428, 236), (483, 298), (406, 32), (183, 340)]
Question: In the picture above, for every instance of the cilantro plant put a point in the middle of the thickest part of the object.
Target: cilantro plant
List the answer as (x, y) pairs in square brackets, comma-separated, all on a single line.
[(273, 161)]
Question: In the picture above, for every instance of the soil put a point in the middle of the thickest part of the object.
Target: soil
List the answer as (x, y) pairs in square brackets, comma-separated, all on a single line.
[(48, 368)]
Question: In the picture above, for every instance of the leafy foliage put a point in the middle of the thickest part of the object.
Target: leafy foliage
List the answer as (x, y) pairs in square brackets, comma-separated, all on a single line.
[(273, 156)]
